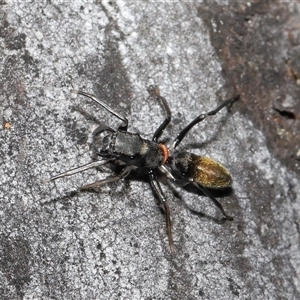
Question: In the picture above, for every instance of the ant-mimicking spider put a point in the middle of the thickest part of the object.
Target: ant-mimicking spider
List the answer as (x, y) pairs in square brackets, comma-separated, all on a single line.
[(130, 151)]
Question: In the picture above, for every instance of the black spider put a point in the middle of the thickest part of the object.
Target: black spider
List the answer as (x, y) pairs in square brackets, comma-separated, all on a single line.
[(130, 151)]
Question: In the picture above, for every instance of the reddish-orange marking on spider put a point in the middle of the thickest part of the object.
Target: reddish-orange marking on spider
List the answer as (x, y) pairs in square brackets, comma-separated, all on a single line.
[(165, 151)]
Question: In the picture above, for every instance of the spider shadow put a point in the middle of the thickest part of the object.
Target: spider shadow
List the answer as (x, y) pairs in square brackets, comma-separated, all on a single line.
[(141, 175), (63, 199), (190, 188)]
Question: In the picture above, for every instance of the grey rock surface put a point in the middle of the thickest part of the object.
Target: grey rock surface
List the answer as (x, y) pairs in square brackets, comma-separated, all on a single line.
[(58, 243)]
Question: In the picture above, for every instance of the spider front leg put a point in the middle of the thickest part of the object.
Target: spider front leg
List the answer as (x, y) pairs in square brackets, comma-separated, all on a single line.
[(77, 170), (123, 126), (96, 138)]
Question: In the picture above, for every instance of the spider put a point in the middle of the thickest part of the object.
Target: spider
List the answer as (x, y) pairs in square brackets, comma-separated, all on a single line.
[(131, 151)]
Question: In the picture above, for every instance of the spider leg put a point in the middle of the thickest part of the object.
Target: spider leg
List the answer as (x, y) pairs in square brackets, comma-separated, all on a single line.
[(125, 172), (157, 189), (154, 91), (123, 126), (96, 137), (198, 119), (167, 172), (77, 170), (214, 200), (101, 128)]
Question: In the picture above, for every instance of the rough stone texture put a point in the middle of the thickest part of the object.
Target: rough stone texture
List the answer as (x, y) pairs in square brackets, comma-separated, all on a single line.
[(57, 243)]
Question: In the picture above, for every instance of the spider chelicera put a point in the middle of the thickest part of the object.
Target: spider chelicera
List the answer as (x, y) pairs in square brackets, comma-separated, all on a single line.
[(130, 151)]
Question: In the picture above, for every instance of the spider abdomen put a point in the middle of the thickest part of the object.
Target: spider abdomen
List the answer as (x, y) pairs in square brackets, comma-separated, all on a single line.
[(202, 170)]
